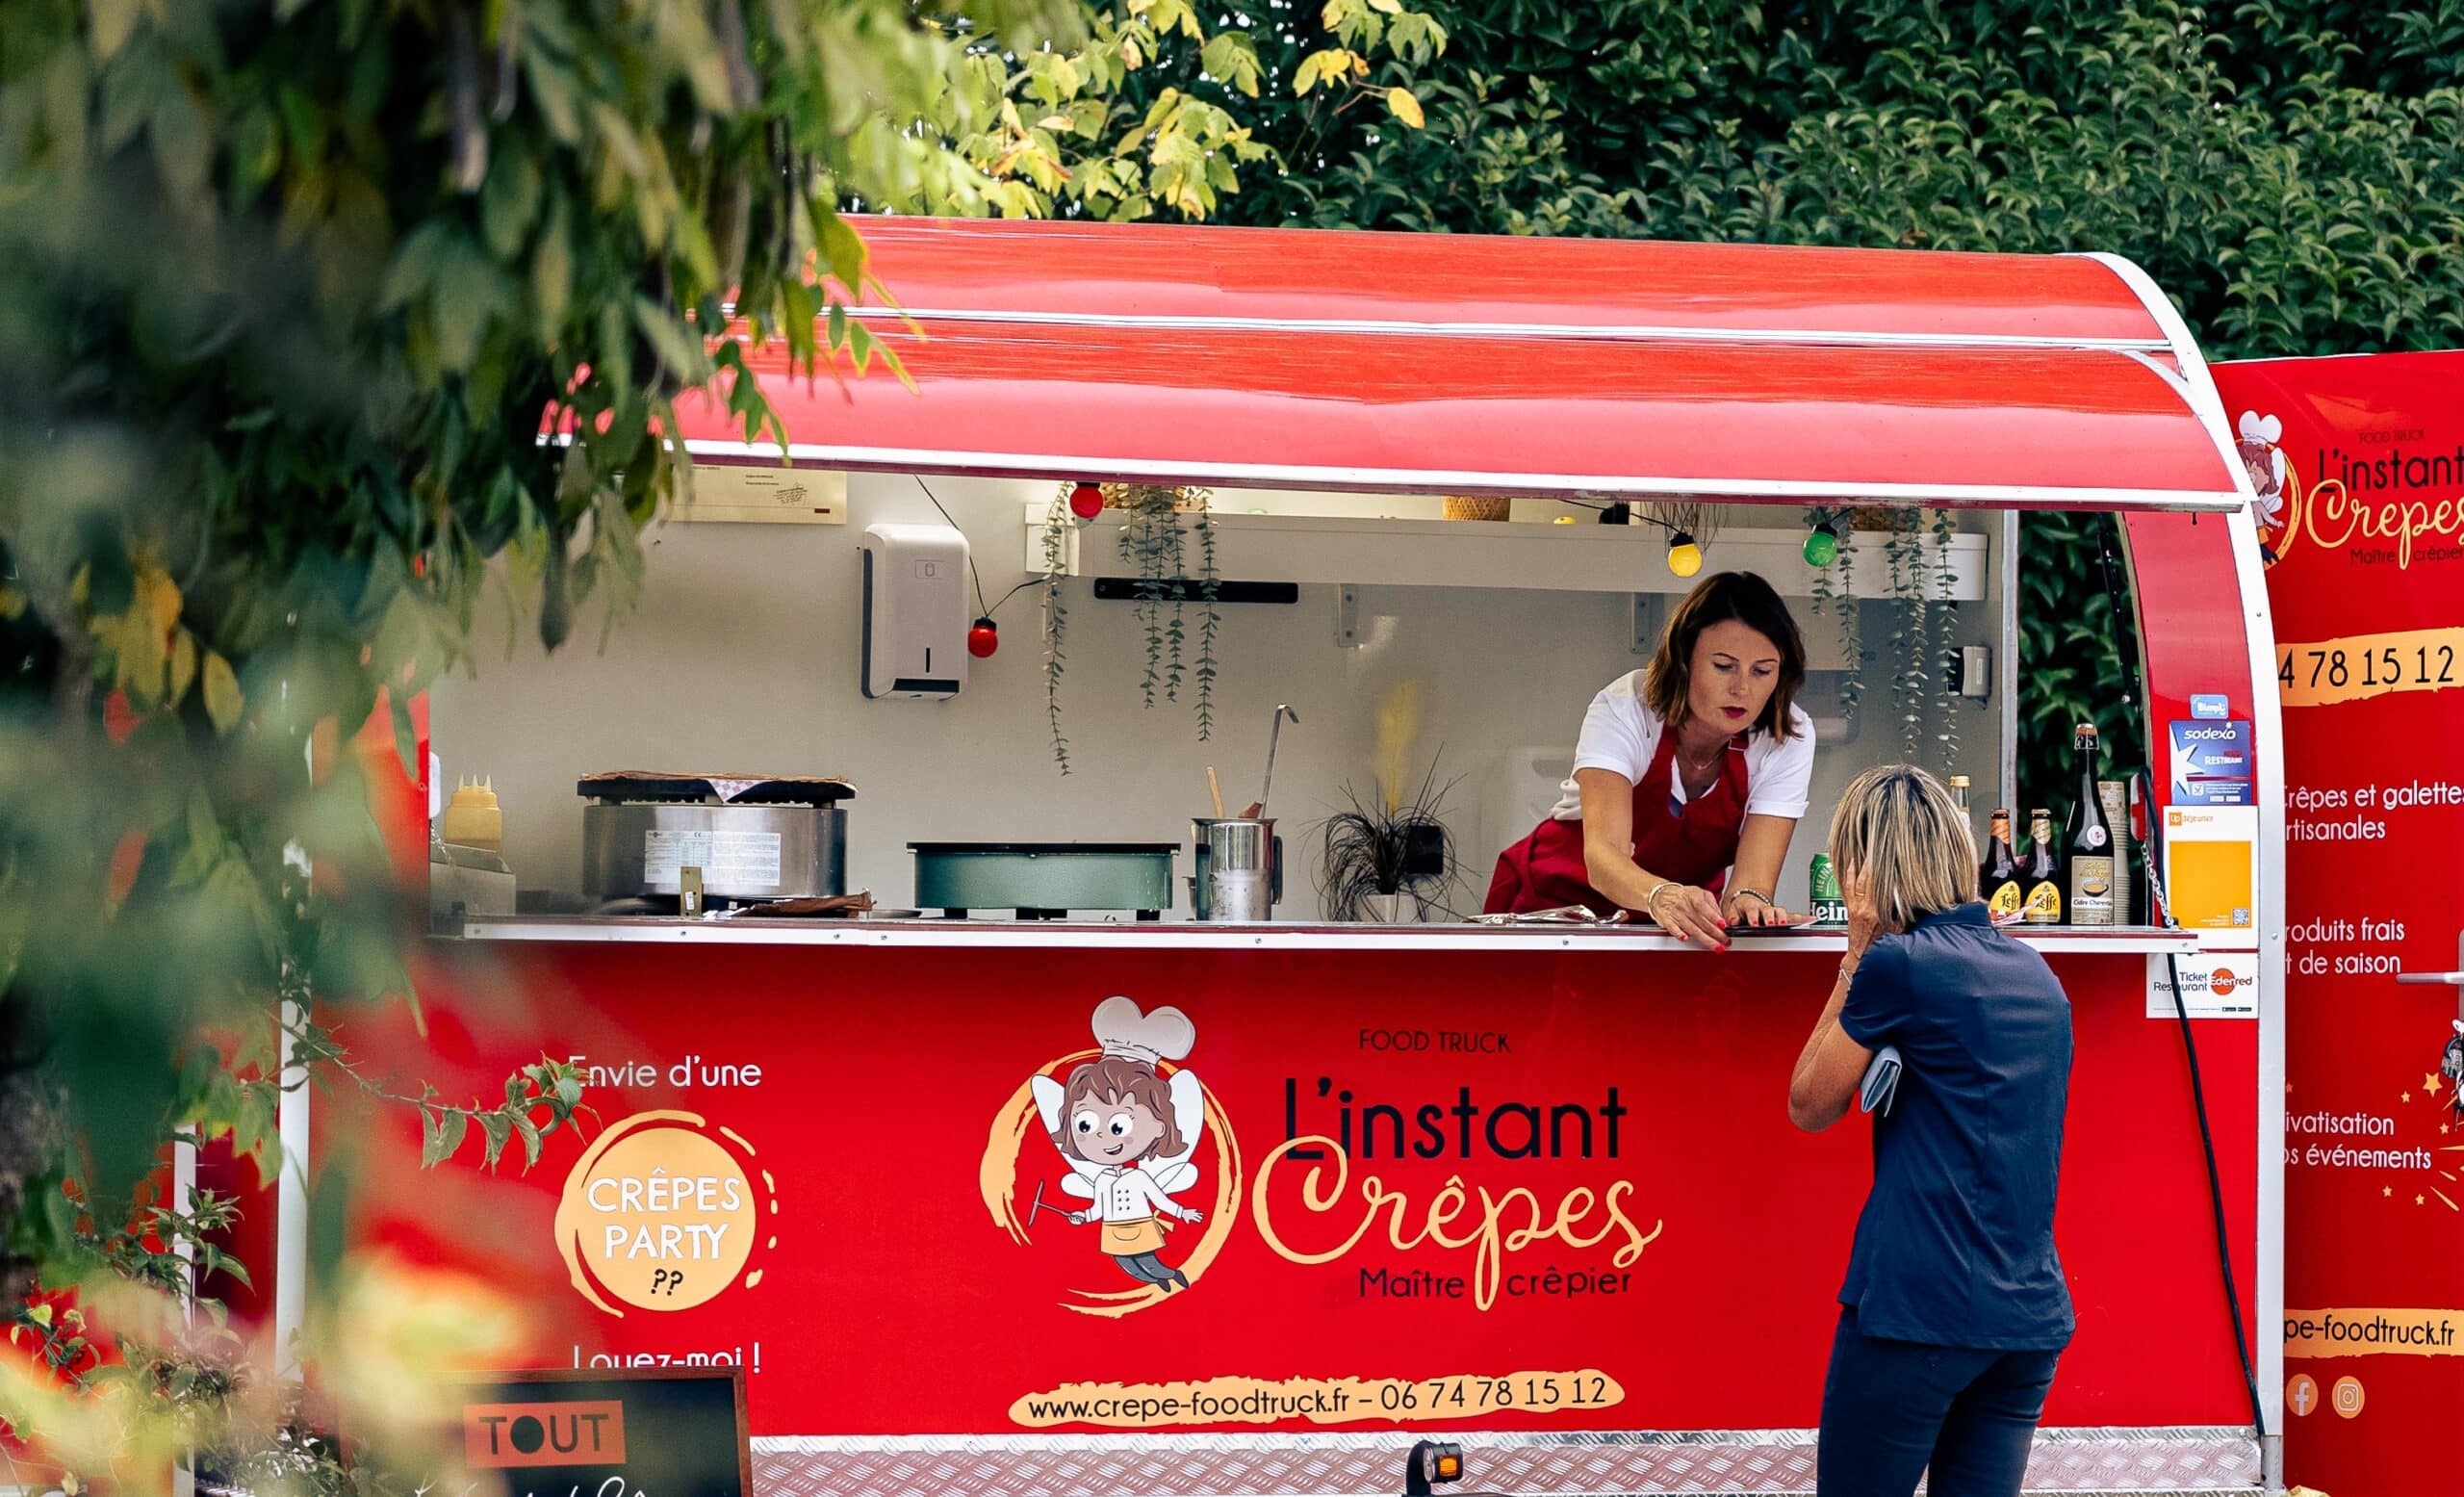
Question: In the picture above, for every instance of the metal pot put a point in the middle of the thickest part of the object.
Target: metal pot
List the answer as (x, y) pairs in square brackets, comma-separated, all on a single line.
[(1238, 869), (744, 852)]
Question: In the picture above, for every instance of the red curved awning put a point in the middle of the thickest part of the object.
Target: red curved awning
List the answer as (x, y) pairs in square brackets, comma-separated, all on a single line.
[(1462, 364)]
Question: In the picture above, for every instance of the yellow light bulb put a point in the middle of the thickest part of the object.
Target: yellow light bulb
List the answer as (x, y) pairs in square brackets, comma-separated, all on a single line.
[(1685, 557)]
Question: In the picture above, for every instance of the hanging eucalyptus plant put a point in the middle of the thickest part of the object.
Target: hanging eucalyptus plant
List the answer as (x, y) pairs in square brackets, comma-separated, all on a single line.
[(1917, 548), (1917, 557), (1155, 545)]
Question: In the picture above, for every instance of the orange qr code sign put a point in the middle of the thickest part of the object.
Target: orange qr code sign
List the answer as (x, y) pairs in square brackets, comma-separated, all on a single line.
[(548, 1434)]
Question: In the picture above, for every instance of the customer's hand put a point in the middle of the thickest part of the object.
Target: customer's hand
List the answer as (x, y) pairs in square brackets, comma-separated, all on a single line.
[(1690, 914), (1864, 921)]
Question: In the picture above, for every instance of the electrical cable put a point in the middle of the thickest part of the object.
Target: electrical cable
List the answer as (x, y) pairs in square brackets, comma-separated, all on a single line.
[(2159, 903), (2215, 1200), (973, 576)]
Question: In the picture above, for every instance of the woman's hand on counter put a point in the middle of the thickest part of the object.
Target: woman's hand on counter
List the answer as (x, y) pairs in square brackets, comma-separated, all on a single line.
[(1689, 913), (1748, 908)]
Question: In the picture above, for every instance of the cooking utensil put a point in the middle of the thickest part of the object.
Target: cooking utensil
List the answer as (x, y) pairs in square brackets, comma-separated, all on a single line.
[(1044, 881), (1274, 736), (754, 836), (1215, 792), (1560, 914)]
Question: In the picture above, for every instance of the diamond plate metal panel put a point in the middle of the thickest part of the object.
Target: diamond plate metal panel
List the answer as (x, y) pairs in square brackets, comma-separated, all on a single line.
[(2206, 1461)]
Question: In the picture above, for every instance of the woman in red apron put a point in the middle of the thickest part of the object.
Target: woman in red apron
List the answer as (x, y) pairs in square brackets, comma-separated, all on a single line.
[(1689, 778)]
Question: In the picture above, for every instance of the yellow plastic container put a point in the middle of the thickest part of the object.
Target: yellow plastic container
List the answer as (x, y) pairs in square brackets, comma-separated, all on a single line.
[(473, 818)]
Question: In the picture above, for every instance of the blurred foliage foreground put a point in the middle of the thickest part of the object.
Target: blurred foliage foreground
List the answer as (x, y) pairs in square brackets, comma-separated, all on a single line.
[(285, 290)]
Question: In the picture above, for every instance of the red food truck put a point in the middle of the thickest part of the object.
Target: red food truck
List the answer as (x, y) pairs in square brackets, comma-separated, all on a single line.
[(1528, 1187)]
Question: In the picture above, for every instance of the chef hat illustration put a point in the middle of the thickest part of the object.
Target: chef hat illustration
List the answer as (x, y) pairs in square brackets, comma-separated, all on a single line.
[(1126, 1034), (2258, 436)]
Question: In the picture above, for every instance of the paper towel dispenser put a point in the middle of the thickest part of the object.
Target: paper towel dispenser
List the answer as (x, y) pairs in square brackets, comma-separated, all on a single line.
[(915, 611)]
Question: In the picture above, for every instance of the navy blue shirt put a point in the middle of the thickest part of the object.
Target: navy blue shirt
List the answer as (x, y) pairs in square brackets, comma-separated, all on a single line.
[(1955, 1247)]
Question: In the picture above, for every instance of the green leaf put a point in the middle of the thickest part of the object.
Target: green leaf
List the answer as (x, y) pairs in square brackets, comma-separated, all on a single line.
[(114, 20), (1231, 58), (684, 354), (223, 702), (183, 143), (415, 266), (551, 275), (468, 294), (406, 738), (256, 151), (451, 1129), (556, 91), (496, 1128), (842, 250), (508, 201)]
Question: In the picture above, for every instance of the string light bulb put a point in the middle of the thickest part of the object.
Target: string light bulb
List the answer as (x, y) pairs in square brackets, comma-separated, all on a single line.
[(1685, 557), (1822, 545), (1087, 501)]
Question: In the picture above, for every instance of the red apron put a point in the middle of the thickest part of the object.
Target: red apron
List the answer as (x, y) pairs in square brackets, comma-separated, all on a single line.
[(1546, 869)]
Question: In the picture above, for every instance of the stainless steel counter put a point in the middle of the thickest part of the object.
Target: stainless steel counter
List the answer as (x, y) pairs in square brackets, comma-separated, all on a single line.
[(1050, 935)]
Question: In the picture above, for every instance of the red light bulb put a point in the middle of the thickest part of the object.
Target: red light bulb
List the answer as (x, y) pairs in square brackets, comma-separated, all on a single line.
[(1086, 500), (983, 640)]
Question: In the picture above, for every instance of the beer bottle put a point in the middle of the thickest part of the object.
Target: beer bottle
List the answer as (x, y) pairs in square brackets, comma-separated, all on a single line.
[(1959, 797), (2090, 843), (1997, 879), (2040, 874)]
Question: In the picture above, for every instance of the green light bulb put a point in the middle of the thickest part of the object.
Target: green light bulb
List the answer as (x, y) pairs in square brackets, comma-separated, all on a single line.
[(1822, 547)]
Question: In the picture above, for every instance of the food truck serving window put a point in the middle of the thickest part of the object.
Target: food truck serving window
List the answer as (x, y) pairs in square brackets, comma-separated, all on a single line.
[(1730, 371)]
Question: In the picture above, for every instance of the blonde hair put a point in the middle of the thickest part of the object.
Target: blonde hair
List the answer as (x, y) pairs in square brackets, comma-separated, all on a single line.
[(1898, 830)]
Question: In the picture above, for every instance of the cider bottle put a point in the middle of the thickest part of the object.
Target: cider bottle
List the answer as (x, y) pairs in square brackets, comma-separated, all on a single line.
[(2090, 850), (2040, 874)]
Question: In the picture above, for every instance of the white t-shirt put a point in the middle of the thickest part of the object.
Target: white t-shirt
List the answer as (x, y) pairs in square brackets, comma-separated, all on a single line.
[(1621, 734)]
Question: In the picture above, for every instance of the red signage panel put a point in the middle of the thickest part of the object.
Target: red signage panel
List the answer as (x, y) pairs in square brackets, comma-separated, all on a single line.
[(2359, 466)]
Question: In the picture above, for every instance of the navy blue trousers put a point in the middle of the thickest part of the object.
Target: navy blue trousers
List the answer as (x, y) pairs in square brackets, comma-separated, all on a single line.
[(1891, 1409)]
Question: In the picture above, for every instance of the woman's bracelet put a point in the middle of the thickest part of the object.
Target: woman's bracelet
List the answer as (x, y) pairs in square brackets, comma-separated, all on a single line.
[(1752, 893), (1650, 900)]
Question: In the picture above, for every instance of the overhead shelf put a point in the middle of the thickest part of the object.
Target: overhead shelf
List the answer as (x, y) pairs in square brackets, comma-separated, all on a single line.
[(1630, 558)]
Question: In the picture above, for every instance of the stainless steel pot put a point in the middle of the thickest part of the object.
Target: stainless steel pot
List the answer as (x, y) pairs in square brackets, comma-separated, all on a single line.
[(1237, 871)]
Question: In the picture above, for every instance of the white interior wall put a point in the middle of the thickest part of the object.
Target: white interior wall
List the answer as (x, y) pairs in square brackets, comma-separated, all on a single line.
[(741, 655)]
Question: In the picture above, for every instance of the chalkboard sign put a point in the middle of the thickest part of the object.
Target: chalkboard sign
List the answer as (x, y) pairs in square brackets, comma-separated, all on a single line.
[(643, 1432)]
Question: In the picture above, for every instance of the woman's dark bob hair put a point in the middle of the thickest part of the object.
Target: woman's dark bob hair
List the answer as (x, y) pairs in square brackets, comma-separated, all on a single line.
[(1716, 599)]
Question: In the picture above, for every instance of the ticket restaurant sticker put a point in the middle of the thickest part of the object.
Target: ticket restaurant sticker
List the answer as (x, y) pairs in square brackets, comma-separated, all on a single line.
[(2213, 984)]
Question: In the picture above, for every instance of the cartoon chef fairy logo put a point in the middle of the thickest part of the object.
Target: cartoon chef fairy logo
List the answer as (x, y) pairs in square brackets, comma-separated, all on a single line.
[(662, 1213), (1134, 1135), (2255, 439)]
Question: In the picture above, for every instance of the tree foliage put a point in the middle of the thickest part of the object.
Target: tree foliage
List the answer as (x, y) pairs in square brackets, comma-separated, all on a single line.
[(287, 291), (324, 324), (2291, 173)]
